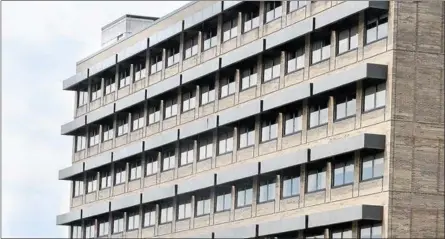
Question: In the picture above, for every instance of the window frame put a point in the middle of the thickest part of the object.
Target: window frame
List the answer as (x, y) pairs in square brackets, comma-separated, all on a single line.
[(298, 56), (226, 138), (191, 47), (90, 230), (170, 156), (249, 74), (82, 145), (104, 228), (204, 144), (320, 173), (244, 189), (299, 5), (122, 126), (78, 188), (227, 87), (172, 56), (184, 210), (166, 208), (272, 65), (271, 124), (251, 19), (138, 120), (227, 199), (343, 165), (105, 176), (348, 100), (247, 132), (380, 21), (119, 220), (95, 92), (171, 107), (189, 100), (107, 132), (296, 119), (149, 213), (133, 220), (135, 170), (375, 94), (318, 107), (187, 154), (110, 86), (209, 36), (156, 64), (371, 227), (230, 27), (153, 164), (270, 186), (380, 156), (154, 114), (120, 175), (292, 178), (91, 184), (124, 78), (276, 8), (82, 98), (203, 204), (321, 44), (139, 71), (350, 30), (207, 93)]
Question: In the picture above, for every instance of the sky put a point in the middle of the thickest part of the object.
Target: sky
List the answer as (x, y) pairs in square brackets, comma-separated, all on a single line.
[(41, 42)]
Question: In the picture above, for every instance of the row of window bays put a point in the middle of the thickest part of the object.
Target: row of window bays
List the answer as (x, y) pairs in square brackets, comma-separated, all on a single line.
[(265, 188), (289, 118), (346, 39)]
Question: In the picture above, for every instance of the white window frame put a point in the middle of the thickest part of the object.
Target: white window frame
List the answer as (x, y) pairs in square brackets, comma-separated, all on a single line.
[(374, 93), (184, 210), (138, 120), (124, 78), (188, 101), (139, 71), (249, 75), (105, 177), (272, 68), (242, 198), (133, 219), (295, 60), (154, 114), (274, 10), (149, 217), (156, 64), (118, 224), (191, 47), (320, 179), (227, 87), (171, 108), (94, 137), (210, 39), (186, 154), (230, 29), (135, 170), (205, 148), (202, 206), (122, 126), (269, 129), (119, 175), (151, 166), (207, 94), (78, 188), (226, 198), (108, 132), (317, 111), (80, 143), (166, 214), (110, 86), (267, 187), (292, 179), (172, 56), (295, 5), (246, 136), (104, 228), (251, 21), (225, 142), (381, 25), (82, 98), (95, 91), (91, 184), (320, 50), (349, 37), (168, 159)]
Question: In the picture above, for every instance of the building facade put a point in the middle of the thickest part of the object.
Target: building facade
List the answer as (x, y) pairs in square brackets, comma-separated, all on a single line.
[(232, 119)]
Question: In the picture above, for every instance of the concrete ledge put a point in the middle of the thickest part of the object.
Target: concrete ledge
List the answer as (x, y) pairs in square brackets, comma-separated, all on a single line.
[(96, 209), (125, 201), (161, 139), (359, 72), (199, 181), (284, 161), (163, 86), (203, 15), (348, 214), (67, 173), (98, 160), (229, 4), (283, 225), (289, 33), (70, 83), (198, 126), (130, 100), (341, 146), (200, 70), (156, 193), (240, 111), (66, 218), (242, 52), (237, 232), (127, 151), (70, 127), (236, 172), (100, 113), (286, 96)]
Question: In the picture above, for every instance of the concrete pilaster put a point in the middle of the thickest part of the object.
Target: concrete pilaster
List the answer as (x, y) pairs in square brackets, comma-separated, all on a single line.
[(257, 135), (280, 126), (304, 121), (219, 34), (131, 77), (237, 84), (361, 35), (239, 28), (308, 55), (282, 69), (303, 172), (333, 49), (331, 109)]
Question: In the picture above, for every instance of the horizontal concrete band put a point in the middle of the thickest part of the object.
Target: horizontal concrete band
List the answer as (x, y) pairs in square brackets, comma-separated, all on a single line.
[(348, 214), (234, 173), (322, 19)]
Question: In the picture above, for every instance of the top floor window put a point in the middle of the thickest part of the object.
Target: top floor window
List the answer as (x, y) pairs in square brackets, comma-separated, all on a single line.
[(321, 49), (156, 63), (347, 39), (95, 91), (172, 56), (273, 10), (110, 86), (294, 5), (124, 77), (209, 37), (251, 20), (376, 27), (230, 29), (191, 47), (82, 98), (139, 71)]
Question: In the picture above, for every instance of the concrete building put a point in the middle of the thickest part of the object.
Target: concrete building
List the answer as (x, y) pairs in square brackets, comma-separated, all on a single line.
[(234, 119)]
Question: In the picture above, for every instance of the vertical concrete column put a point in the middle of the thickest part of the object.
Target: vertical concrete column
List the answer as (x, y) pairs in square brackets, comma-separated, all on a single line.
[(235, 144), (212, 205), (181, 51), (143, 168), (99, 145), (361, 35), (73, 149), (97, 185), (255, 183), (261, 16), (239, 29), (125, 224), (110, 224), (215, 148), (197, 101), (132, 73), (141, 219), (282, 68), (280, 127), (327, 233), (114, 129), (175, 210), (233, 206), (219, 34), (158, 174), (328, 180), (283, 13), (192, 209), (84, 195), (116, 80), (179, 101), (307, 55), (359, 98), (331, 109), (177, 158), (161, 114), (102, 91), (195, 156), (89, 95), (200, 43), (130, 126), (76, 100), (217, 90), (145, 118), (277, 192), (333, 50), (237, 84), (96, 227), (147, 63), (158, 216), (257, 135), (308, 8), (304, 121), (302, 184), (164, 62), (355, 230), (127, 175), (113, 178), (357, 172)]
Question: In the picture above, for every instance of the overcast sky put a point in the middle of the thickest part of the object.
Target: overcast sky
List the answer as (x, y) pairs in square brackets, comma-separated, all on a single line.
[(41, 42)]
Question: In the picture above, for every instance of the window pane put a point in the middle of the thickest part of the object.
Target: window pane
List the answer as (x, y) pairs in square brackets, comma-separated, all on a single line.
[(312, 182), (291, 65), (289, 126), (287, 188), (349, 173), (382, 30), (340, 110), (378, 167), (271, 191), (249, 196), (219, 203), (338, 175), (347, 234), (371, 33), (365, 232), (336, 235), (296, 186), (369, 98), (263, 193), (267, 74), (381, 95), (343, 41), (313, 119), (367, 169), (326, 52), (351, 107), (321, 181), (377, 232), (353, 39), (323, 116), (276, 71), (241, 198)]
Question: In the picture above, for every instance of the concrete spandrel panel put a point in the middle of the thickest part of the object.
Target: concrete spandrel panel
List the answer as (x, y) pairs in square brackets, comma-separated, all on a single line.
[(286, 96), (163, 86), (102, 112), (347, 214), (70, 127), (196, 183), (71, 171), (286, 160), (130, 100), (127, 150), (281, 226), (69, 217), (239, 112), (242, 53), (197, 126), (98, 160), (200, 70), (292, 32), (152, 194), (239, 172)]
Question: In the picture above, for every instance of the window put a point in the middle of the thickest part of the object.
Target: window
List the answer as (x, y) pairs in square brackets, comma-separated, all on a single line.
[(184, 210), (272, 69), (224, 201), (316, 179), (321, 50), (294, 5), (249, 78), (119, 175), (172, 56), (168, 160), (345, 106), (202, 206), (187, 153), (94, 136), (291, 184), (95, 91), (76, 232), (154, 114), (375, 97), (122, 126), (347, 40), (343, 173), (266, 191), (156, 64), (205, 148), (293, 122), (191, 47), (118, 224), (91, 184), (208, 94), (105, 179), (135, 170), (225, 142), (166, 213), (151, 166), (247, 136), (80, 143), (269, 129), (244, 195), (103, 228), (77, 188), (124, 78), (371, 231), (171, 108), (295, 60), (149, 217), (140, 71), (251, 20), (227, 86), (376, 28), (372, 166), (209, 38), (133, 220), (318, 114), (273, 10), (230, 29), (108, 132), (110, 86), (138, 119), (90, 230), (82, 98), (342, 233), (188, 101)]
